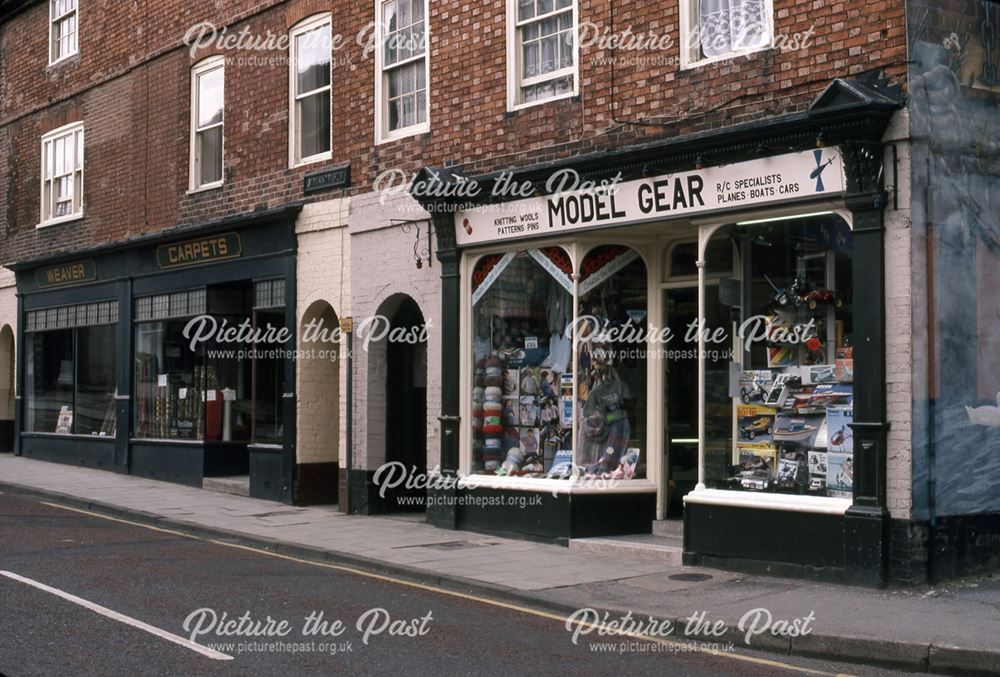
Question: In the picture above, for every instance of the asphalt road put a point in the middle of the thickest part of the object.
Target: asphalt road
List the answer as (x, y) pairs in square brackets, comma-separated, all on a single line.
[(136, 575)]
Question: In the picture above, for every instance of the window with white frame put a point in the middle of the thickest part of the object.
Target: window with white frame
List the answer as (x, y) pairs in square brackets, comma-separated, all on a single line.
[(62, 174), (309, 117), (543, 50), (207, 119), (63, 17), (719, 28), (403, 67)]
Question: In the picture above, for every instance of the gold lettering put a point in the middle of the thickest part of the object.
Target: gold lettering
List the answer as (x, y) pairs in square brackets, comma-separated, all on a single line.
[(199, 250)]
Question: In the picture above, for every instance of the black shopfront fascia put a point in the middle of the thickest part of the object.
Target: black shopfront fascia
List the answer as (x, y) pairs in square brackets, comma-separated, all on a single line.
[(850, 114), (142, 267)]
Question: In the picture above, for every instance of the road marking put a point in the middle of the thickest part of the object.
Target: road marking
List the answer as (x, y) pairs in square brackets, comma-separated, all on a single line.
[(529, 610), (121, 618), (461, 595), (123, 521)]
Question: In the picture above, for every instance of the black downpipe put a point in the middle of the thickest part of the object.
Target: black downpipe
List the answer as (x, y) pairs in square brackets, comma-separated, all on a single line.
[(349, 453)]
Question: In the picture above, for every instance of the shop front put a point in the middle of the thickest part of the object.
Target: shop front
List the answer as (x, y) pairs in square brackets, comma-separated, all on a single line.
[(164, 356), (695, 333)]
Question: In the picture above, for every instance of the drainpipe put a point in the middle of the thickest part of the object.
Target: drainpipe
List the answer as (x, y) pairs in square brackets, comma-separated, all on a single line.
[(347, 325), (932, 364)]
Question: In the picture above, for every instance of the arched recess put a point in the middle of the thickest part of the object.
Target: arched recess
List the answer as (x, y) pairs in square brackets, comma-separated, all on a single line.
[(6, 389), (319, 409), (397, 397)]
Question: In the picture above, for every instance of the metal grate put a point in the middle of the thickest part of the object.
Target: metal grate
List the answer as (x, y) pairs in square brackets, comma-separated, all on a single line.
[(174, 304), (67, 317), (690, 578), (269, 294)]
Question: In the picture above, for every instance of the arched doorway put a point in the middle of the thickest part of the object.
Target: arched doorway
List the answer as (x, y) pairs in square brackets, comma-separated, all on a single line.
[(405, 424), (317, 476), (6, 389)]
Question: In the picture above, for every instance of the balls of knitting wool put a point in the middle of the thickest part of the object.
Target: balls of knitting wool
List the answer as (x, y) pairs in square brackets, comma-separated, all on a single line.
[(492, 426), (493, 371), (492, 418), (492, 394)]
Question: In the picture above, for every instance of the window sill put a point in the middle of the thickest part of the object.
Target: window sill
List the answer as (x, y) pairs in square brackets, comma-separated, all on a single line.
[(204, 189), (61, 220), (311, 160), (166, 441), (405, 132), (763, 501), (555, 486), (75, 436), (267, 447), (63, 59), (515, 107), (693, 65)]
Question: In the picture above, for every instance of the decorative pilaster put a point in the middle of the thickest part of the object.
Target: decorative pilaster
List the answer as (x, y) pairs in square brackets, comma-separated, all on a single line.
[(442, 507), (867, 520)]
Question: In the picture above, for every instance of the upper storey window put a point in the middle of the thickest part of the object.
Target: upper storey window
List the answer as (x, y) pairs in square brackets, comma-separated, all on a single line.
[(309, 118), (62, 174), (63, 19), (718, 29), (403, 69), (542, 51), (207, 122)]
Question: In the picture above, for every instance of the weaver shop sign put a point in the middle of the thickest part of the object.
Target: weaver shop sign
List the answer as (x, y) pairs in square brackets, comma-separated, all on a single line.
[(64, 274)]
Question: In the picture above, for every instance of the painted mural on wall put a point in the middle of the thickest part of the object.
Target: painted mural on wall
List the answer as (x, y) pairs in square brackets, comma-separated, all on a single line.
[(954, 92)]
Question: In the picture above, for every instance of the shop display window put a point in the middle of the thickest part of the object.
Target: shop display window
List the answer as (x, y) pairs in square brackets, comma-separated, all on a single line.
[(521, 408), (611, 364), (207, 391), (170, 383), (790, 384), (95, 380), (531, 416), (71, 369)]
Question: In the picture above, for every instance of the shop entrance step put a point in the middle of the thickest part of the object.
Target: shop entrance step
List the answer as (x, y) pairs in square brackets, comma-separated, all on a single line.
[(238, 485), (647, 547), (668, 528)]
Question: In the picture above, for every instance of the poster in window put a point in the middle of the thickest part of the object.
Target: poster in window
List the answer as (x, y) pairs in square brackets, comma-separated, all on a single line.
[(64, 424), (762, 460), (779, 353), (840, 475), (797, 430), (841, 437), (755, 426)]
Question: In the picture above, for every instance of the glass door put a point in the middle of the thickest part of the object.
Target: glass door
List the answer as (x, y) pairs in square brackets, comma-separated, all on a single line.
[(680, 405)]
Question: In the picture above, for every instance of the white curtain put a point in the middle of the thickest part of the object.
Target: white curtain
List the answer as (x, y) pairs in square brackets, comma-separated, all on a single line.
[(732, 26)]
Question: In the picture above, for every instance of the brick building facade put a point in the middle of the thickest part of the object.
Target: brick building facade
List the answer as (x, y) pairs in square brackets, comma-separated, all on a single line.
[(641, 98)]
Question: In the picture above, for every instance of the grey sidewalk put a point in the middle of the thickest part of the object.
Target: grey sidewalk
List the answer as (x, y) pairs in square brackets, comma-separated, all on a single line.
[(953, 628)]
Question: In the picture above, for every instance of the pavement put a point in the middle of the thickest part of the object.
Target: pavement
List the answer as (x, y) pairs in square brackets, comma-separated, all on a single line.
[(949, 629)]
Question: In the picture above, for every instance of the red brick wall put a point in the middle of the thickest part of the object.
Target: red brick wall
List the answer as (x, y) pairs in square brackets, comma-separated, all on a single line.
[(131, 85)]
